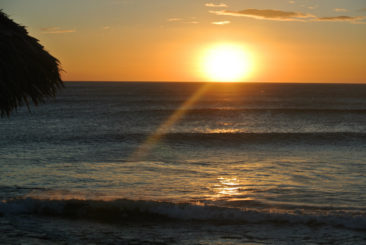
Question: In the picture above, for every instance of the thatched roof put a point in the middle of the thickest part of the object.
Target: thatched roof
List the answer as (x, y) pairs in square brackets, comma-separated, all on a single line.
[(28, 73)]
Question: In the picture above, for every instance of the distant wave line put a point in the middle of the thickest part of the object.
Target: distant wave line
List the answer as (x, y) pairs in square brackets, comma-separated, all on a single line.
[(255, 110), (343, 138)]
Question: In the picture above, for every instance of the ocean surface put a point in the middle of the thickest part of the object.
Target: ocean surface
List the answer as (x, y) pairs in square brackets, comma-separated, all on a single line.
[(186, 163)]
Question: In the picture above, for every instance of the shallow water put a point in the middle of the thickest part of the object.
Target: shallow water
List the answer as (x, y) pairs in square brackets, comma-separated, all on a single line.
[(236, 160)]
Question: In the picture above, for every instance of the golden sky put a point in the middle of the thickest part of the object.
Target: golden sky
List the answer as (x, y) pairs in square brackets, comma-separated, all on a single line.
[(164, 40)]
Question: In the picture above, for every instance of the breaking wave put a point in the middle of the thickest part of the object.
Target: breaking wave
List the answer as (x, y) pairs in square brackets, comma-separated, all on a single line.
[(126, 211)]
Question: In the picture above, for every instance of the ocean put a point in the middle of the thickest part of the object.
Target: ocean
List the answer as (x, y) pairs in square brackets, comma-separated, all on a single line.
[(186, 163)]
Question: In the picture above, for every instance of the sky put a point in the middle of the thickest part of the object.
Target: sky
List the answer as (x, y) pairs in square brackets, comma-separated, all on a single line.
[(303, 41)]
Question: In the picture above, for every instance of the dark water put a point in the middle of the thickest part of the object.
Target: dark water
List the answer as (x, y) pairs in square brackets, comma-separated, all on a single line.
[(187, 163)]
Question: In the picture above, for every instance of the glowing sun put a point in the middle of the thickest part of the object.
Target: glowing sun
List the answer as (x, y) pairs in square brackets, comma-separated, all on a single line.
[(226, 63)]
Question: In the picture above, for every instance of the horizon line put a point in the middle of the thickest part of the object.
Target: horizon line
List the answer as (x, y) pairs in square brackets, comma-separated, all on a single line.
[(140, 81)]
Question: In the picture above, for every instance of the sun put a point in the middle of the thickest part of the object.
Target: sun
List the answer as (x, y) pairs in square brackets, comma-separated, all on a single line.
[(226, 63)]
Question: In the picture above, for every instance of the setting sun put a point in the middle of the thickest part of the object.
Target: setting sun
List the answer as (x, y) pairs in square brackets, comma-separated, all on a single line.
[(226, 63)]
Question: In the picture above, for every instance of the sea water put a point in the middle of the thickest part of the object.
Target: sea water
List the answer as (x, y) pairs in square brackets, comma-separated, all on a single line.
[(187, 163)]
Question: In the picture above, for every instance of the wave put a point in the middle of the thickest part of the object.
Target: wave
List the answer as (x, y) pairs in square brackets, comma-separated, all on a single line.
[(217, 137), (242, 138), (126, 211), (204, 111), (311, 138)]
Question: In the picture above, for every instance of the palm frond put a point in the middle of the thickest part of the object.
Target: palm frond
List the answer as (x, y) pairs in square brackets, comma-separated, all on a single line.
[(28, 73)]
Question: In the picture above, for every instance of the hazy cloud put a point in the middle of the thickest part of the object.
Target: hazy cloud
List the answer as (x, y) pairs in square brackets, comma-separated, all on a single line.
[(339, 18), (291, 2), (352, 19), (279, 15), (174, 19), (225, 22), (338, 10), (216, 5), (56, 30), (191, 20), (270, 14)]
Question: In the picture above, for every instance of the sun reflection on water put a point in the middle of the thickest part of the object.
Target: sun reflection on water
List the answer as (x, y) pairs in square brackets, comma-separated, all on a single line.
[(226, 188), (229, 190), (224, 131)]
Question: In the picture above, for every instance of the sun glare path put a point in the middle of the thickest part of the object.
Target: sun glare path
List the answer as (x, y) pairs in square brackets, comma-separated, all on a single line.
[(154, 138), (226, 63)]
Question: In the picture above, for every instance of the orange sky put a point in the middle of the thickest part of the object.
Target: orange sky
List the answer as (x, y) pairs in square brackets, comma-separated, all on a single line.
[(144, 40)]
